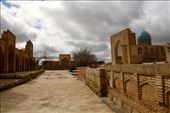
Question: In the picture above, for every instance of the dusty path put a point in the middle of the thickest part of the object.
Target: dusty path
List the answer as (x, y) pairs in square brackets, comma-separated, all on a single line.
[(52, 92)]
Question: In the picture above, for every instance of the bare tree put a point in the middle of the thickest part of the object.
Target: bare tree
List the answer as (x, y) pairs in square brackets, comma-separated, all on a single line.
[(83, 57)]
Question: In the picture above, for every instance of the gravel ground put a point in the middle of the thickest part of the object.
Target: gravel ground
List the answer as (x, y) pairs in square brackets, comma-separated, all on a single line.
[(52, 92)]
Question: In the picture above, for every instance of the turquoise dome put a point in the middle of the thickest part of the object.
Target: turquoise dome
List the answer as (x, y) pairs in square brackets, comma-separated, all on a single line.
[(144, 38)]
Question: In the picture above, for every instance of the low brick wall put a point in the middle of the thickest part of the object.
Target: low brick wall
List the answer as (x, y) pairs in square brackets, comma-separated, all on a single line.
[(95, 79), (136, 88), (81, 72), (13, 79)]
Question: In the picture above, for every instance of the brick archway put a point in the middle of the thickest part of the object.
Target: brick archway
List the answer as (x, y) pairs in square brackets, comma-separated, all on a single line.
[(118, 53), (148, 95), (2, 60), (118, 84), (130, 88)]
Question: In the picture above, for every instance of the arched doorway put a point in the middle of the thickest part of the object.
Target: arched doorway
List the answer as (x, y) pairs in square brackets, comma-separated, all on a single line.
[(118, 53), (130, 88), (139, 50), (11, 55), (146, 55), (148, 94), (2, 65), (118, 84)]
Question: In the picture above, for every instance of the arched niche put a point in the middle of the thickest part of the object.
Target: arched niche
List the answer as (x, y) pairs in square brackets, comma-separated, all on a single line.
[(139, 50), (118, 53), (130, 88), (118, 84), (148, 94)]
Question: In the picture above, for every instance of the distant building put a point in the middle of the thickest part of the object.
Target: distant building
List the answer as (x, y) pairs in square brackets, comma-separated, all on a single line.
[(13, 59), (63, 63)]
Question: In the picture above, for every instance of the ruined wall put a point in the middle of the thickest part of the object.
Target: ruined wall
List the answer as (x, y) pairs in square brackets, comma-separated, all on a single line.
[(136, 88), (140, 88), (81, 73), (94, 78), (57, 65), (64, 63), (13, 59), (121, 43)]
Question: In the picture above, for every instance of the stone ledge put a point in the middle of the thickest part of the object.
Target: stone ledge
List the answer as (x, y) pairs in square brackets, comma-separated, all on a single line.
[(13, 79)]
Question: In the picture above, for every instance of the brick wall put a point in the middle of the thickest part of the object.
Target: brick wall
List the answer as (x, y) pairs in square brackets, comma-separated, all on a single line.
[(94, 78), (81, 73), (137, 88), (143, 88)]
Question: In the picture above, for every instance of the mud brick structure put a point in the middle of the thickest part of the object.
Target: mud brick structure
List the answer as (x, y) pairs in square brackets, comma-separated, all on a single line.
[(125, 50), (136, 81), (63, 63), (140, 88), (13, 59)]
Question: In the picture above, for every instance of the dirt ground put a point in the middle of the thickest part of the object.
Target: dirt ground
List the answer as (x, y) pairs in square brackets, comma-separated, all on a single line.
[(52, 92)]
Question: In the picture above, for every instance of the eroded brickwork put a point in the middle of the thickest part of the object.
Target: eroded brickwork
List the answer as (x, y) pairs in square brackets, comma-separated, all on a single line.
[(94, 78), (125, 50), (145, 85), (136, 88), (13, 59), (135, 81), (64, 62)]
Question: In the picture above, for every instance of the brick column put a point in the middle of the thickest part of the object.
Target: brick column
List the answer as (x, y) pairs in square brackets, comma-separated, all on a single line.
[(123, 83), (137, 90), (103, 82), (159, 89)]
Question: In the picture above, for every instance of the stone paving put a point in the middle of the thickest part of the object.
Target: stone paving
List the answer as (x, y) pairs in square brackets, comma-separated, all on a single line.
[(52, 92)]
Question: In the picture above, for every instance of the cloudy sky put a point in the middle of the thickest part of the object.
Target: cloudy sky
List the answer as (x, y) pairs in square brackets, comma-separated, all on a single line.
[(62, 27)]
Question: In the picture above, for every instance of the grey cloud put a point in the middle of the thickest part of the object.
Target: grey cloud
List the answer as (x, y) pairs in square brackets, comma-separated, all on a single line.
[(155, 20), (24, 37), (44, 49), (19, 31), (94, 47), (90, 24), (104, 55), (101, 50), (95, 20)]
